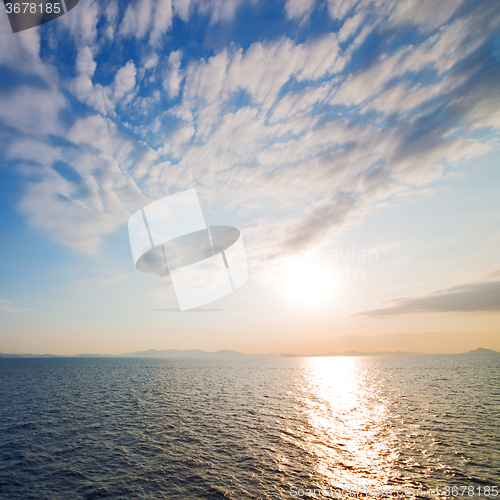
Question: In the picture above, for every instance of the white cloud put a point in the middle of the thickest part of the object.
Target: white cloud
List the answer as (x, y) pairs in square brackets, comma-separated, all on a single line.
[(173, 77), (301, 102), (205, 79), (152, 61), (423, 174), (261, 71), (182, 8), (31, 110), (428, 14), (351, 26), (338, 9), (103, 98), (21, 51), (219, 10), (82, 23), (111, 15), (155, 17), (77, 213), (6, 306), (124, 80), (137, 19), (85, 68), (264, 68), (441, 51), (179, 139), (485, 112), (162, 20), (406, 96), (298, 8)]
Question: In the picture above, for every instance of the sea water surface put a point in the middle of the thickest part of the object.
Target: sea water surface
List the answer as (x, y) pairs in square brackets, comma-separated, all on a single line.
[(249, 428)]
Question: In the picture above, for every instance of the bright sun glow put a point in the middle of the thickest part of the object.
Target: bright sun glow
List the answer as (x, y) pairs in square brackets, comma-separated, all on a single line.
[(309, 283)]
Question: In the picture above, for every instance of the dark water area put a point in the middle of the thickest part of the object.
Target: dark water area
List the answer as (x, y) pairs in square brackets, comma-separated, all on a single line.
[(250, 428)]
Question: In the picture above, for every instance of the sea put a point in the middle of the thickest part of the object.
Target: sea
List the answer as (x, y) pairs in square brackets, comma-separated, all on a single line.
[(250, 427)]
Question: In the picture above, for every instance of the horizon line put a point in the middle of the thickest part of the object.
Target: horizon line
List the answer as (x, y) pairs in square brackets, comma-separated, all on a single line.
[(157, 353)]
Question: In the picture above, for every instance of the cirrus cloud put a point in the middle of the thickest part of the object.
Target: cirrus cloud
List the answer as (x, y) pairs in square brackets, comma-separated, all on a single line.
[(467, 297)]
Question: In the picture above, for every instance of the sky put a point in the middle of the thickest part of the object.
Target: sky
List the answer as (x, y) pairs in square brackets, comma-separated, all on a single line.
[(354, 143)]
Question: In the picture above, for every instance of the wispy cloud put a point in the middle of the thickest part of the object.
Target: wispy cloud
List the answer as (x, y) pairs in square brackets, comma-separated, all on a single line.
[(468, 297), (7, 306), (117, 278)]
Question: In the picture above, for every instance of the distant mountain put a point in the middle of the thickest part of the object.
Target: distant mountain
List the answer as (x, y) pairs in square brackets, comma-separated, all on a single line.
[(152, 353), (176, 353), (482, 350), (378, 353), (357, 353), (93, 355), (3, 355), (197, 353)]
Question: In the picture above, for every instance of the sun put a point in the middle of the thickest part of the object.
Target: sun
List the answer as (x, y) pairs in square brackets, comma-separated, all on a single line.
[(309, 283)]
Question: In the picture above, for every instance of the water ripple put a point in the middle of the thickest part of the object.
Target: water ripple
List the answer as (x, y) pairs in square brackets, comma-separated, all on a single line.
[(245, 428)]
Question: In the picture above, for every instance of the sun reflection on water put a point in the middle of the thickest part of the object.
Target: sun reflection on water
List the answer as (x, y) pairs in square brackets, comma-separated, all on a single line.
[(351, 432)]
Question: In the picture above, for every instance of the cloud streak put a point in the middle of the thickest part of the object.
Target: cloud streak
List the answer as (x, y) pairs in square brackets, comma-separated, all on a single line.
[(7, 306), (468, 297)]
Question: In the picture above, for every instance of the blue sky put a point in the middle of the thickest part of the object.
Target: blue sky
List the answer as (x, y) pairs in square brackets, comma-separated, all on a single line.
[(328, 126)]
